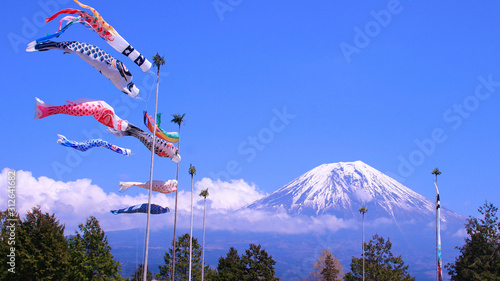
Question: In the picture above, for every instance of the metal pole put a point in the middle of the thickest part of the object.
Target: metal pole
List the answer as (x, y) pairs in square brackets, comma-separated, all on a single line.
[(363, 246), (175, 216), (438, 235), (203, 249), (144, 276), (191, 233)]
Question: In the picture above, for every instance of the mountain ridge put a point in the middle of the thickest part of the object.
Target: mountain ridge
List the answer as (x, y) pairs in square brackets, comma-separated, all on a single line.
[(344, 187)]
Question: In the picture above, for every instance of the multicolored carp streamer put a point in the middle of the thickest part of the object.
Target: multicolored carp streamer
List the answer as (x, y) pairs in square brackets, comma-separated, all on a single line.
[(160, 186), (107, 65), (60, 31), (142, 208), (84, 146), (162, 147), (168, 136), (102, 112), (104, 30)]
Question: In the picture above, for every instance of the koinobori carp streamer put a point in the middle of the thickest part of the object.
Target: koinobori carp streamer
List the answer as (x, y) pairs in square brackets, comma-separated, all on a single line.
[(162, 147), (102, 111), (84, 146), (159, 186), (168, 136), (106, 64), (104, 30), (142, 208)]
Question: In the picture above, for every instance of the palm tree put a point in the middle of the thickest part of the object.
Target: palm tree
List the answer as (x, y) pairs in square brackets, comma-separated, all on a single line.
[(192, 171), (157, 61), (363, 210), (179, 120), (203, 193), (436, 172)]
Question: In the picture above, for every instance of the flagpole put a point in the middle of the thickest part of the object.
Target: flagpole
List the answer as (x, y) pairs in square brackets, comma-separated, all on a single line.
[(144, 276), (438, 235)]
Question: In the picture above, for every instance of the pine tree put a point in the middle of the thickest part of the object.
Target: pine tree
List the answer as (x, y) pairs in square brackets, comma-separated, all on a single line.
[(182, 260), (380, 263), (139, 272), (329, 272), (42, 248), (230, 268), (333, 268), (479, 257), (259, 264), (91, 256), (9, 255)]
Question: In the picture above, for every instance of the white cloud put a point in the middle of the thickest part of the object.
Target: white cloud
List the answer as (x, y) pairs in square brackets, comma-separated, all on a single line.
[(461, 233), (228, 195), (73, 202)]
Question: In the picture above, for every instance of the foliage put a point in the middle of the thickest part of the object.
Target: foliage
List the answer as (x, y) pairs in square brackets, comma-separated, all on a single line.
[(259, 264), (479, 257), (9, 230), (158, 61), (204, 193), (178, 119), (192, 170), (380, 263), (255, 264), (231, 267), (327, 267), (43, 253), (436, 172), (41, 248), (139, 274), (90, 252), (182, 260), (329, 272)]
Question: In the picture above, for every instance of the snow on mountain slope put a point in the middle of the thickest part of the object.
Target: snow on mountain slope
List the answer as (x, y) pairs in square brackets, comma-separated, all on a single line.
[(341, 189)]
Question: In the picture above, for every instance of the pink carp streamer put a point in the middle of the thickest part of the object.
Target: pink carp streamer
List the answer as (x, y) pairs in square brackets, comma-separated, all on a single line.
[(160, 186), (102, 111)]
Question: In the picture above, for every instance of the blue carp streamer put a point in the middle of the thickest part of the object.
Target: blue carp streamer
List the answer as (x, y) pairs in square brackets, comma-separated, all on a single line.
[(142, 208), (84, 146)]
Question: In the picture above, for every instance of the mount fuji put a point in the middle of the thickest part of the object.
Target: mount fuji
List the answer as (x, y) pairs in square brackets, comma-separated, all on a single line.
[(341, 189)]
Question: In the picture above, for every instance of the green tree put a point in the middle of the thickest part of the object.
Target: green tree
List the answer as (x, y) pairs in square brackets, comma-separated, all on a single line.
[(322, 267), (329, 272), (380, 263), (9, 230), (139, 274), (259, 265), (42, 248), (182, 260), (230, 268), (91, 256), (436, 172), (479, 257)]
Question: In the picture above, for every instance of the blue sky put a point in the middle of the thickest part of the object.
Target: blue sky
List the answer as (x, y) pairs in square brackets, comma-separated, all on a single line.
[(270, 91)]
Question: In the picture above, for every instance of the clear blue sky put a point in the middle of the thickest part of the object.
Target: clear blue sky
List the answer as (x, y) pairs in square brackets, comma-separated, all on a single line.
[(271, 89)]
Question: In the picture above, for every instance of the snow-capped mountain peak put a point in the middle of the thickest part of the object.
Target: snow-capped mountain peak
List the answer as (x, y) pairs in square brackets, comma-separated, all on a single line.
[(342, 189)]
